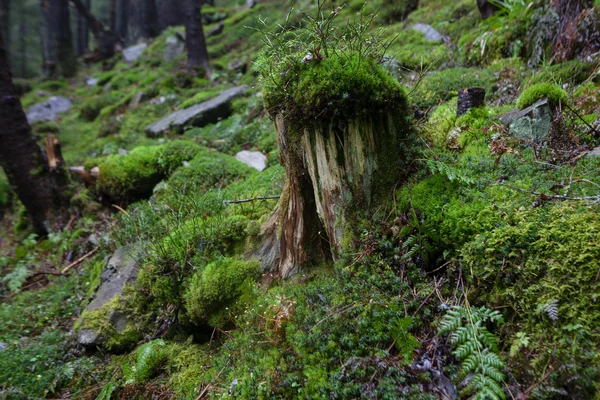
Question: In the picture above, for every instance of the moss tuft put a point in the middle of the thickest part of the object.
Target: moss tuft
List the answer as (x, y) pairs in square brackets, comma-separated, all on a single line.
[(217, 286), (344, 85), (554, 93)]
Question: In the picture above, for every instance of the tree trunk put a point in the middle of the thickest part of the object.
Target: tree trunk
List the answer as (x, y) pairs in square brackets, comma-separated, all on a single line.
[(83, 32), (4, 21), (23, 40), (143, 20), (24, 163), (106, 40), (337, 172), (57, 43), (67, 59), (194, 37), (122, 19), (112, 15), (170, 13)]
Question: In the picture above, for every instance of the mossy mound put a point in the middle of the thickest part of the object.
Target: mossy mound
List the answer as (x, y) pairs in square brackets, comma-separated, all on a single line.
[(216, 287), (132, 176), (554, 93), (343, 85)]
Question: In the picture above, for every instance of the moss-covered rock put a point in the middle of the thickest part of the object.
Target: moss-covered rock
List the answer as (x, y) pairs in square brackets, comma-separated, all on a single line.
[(132, 176), (554, 93)]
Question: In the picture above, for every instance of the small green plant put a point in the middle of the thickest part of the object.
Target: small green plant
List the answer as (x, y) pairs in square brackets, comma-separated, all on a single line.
[(477, 348)]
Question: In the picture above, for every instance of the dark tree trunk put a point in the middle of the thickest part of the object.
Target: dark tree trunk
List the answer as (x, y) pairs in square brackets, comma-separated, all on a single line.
[(106, 40), (4, 21), (57, 43), (122, 19), (194, 37), (112, 15), (24, 163), (48, 35), (143, 20), (170, 13), (23, 40), (83, 31), (67, 60)]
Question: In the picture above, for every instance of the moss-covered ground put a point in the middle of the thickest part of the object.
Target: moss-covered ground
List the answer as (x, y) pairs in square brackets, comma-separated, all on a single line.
[(484, 220)]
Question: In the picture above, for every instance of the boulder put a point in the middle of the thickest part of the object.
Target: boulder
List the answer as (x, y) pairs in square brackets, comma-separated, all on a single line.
[(92, 82), (430, 33), (132, 53), (174, 48), (254, 159), (202, 114), (48, 110), (531, 123), (250, 3), (595, 152), (120, 270)]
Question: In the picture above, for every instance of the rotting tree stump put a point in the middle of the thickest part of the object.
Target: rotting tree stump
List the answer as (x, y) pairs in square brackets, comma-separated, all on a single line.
[(336, 173)]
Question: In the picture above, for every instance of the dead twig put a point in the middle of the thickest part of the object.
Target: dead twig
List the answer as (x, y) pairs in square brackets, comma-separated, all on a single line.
[(227, 202), (80, 259)]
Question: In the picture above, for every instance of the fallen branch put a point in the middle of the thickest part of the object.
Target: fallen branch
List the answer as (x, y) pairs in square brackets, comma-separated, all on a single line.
[(80, 259), (544, 196), (227, 202)]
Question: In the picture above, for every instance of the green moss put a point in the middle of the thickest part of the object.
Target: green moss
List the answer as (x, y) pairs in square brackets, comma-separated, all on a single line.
[(91, 108), (554, 93), (134, 175), (53, 86), (440, 86), (200, 97), (217, 286), (572, 72), (44, 127), (345, 85)]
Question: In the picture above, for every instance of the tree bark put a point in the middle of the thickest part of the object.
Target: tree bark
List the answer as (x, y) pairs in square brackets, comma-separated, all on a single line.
[(24, 163), (5, 22), (170, 13), (194, 37), (83, 31), (23, 40), (57, 43), (106, 40), (336, 173), (122, 19), (143, 20)]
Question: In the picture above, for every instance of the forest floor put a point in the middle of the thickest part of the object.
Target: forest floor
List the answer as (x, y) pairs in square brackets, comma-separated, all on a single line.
[(478, 276)]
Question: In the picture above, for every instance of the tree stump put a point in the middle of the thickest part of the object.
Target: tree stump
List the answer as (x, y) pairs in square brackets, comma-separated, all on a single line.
[(469, 98), (336, 171)]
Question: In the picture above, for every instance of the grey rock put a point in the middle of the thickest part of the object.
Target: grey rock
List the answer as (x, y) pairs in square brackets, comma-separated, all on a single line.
[(122, 152), (216, 30), (250, 3), (430, 33), (595, 152), (531, 123), (138, 99), (48, 110), (132, 53), (254, 159), (92, 82), (174, 48), (392, 65), (201, 114), (94, 239), (3, 346), (120, 270)]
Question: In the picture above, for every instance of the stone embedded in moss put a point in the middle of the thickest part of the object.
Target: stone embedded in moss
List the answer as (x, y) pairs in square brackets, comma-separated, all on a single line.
[(554, 93)]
